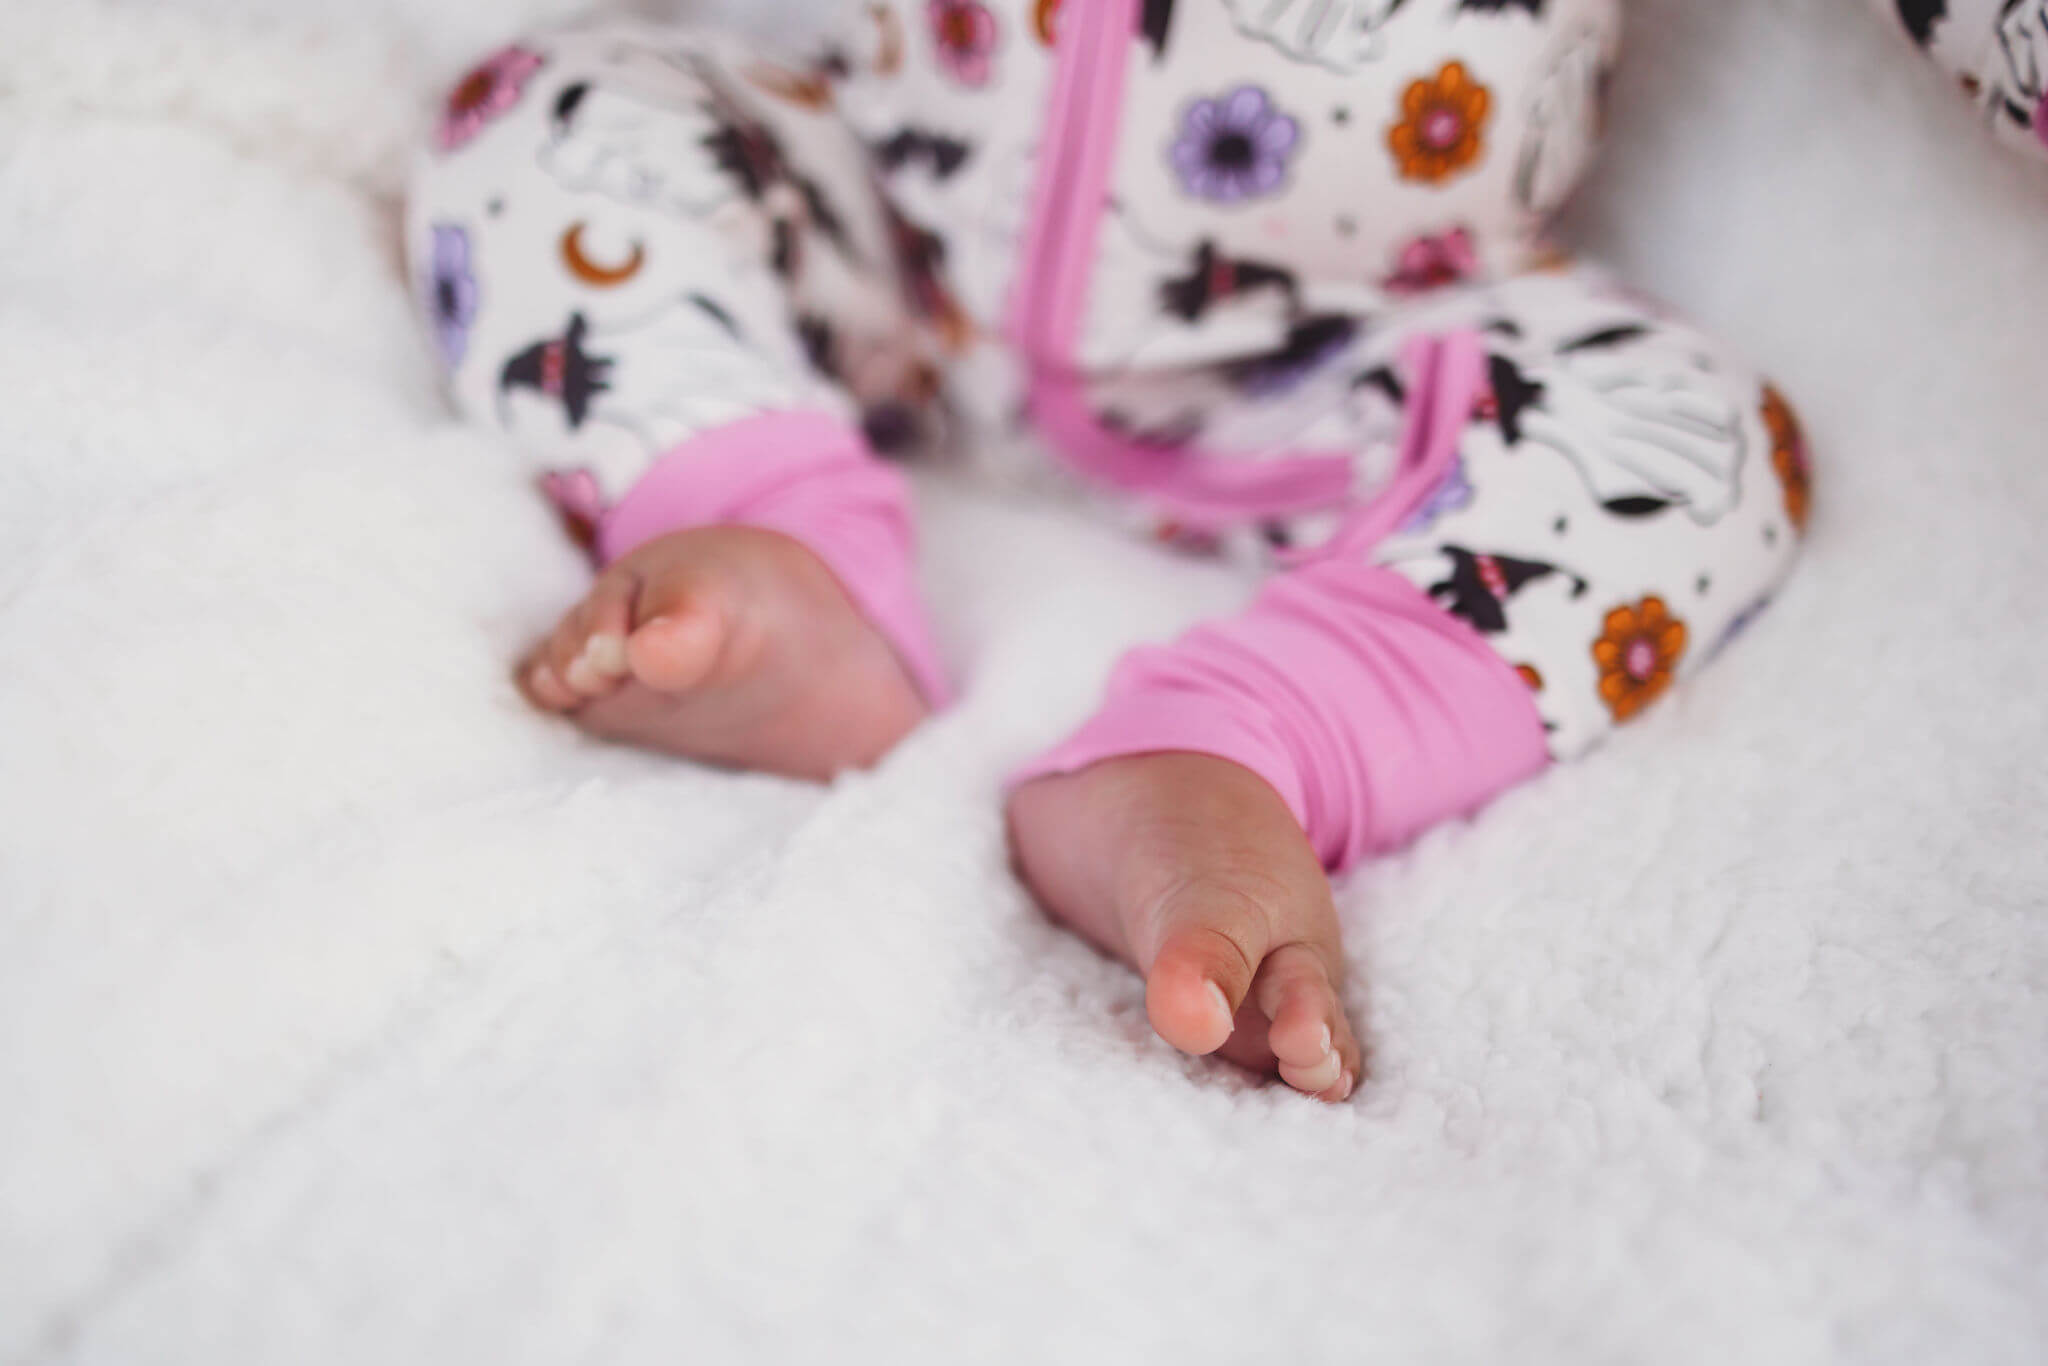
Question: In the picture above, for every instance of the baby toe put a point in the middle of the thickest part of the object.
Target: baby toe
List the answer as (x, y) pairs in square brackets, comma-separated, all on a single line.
[(565, 658), (1314, 1081), (599, 666), (586, 653), (676, 652), (1188, 992), (1309, 1035), (544, 687)]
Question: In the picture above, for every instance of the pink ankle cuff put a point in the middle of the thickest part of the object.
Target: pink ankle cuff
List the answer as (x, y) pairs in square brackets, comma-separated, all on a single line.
[(1372, 712), (812, 478)]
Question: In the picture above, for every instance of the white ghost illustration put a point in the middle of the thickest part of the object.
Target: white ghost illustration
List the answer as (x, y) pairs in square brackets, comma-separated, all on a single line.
[(1340, 34)]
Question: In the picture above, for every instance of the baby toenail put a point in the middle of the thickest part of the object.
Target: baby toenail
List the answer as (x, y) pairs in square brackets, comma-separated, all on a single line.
[(607, 655), (582, 677), (1223, 1010), (1330, 1069), (1329, 1042), (1344, 1085)]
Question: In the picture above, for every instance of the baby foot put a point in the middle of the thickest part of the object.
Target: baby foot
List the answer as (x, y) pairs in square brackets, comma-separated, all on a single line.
[(729, 645), (1193, 870)]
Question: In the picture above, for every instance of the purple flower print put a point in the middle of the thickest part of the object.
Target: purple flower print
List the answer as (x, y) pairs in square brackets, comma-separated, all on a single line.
[(484, 94), (1235, 147), (1454, 494), (965, 33), (451, 292)]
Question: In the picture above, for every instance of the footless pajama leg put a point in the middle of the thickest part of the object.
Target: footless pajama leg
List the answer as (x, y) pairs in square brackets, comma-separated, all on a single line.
[(1590, 499), (1997, 53), (678, 297), (664, 272)]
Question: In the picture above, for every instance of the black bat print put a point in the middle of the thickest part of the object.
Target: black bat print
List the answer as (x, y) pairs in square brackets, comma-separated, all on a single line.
[(561, 369), (1386, 381), (944, 155), (1216, 277), (1534, 7), (1155, 23), (1606, 339), (747, 152), (567, 103), (1637, 508), (1481, 586), (1513, 394), (1310, 343), (821, 343), (1920, 17)]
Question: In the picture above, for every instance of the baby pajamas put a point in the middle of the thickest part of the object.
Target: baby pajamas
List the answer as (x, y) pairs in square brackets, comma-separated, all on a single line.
[(1997, 51), (1264, 273)]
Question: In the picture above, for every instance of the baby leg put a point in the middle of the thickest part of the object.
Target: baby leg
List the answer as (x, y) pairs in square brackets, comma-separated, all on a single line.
[(1592, 498), (673, 291)]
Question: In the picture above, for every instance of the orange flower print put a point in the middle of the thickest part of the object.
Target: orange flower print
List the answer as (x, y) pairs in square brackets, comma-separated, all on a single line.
[(1045, 21), (1531, 675), (1788, 456), (1443, 126), (1638, 654)]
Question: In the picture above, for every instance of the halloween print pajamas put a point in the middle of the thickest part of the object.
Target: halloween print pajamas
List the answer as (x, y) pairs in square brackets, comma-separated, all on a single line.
[(1264, 273), (1997, 52)]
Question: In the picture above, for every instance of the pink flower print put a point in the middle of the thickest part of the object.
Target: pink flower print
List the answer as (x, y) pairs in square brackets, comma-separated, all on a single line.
[(1432, 262), (485, 94), (965, 33)]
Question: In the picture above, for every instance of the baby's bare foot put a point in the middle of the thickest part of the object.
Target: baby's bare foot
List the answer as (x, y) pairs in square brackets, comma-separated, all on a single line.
[(1193, 870), (729, 645)]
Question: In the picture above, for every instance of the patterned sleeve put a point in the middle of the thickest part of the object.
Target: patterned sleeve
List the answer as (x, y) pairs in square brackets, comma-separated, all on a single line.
[(1997, 51)]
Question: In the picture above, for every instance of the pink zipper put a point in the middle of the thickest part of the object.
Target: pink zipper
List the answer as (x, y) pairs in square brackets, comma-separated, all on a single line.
[(1074, 163), (1049, 302)]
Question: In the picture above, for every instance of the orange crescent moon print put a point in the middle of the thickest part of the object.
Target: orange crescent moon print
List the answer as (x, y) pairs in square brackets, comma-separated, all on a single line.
[(805, 89), (593, 273)]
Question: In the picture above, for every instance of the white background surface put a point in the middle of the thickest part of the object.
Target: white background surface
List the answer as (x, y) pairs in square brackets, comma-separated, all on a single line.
[(348, 1013)]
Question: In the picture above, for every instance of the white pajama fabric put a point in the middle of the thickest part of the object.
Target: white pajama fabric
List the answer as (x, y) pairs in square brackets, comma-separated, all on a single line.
[(1996, 51), (1213, 253)]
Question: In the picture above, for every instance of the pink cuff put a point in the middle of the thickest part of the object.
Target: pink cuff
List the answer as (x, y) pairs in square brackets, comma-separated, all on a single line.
[(811, 477), (1371, 711)]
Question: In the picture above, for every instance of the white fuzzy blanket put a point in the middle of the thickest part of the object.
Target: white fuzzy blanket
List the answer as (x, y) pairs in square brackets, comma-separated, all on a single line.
[(349, 1013)]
